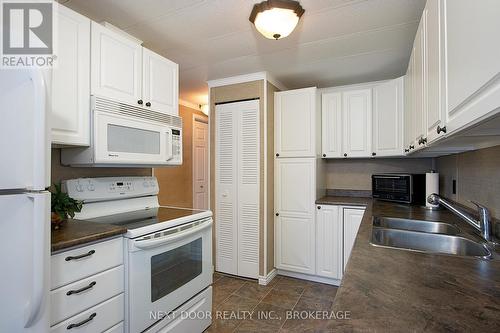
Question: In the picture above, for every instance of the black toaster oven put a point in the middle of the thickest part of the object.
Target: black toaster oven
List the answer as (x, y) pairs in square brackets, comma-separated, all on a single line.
[(399, 187)]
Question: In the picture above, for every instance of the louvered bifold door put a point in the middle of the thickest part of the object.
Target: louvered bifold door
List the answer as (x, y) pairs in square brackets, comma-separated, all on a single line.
[(225, 190), (248, 188)]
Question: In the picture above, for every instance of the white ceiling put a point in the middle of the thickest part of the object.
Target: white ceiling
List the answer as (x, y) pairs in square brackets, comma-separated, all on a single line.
[(337, 42)]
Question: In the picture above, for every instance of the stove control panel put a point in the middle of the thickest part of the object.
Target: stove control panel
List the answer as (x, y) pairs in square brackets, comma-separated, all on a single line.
[(110, 188)]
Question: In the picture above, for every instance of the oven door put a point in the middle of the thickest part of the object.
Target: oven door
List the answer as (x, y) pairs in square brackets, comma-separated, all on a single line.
[(166, 269), (128, 140)]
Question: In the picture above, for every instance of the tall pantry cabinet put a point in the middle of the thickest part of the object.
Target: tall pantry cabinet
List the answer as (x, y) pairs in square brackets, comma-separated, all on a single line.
[(297, 161)]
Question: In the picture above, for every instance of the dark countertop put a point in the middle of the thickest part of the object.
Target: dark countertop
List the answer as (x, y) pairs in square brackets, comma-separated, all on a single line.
[(76, 232), (389, 290)]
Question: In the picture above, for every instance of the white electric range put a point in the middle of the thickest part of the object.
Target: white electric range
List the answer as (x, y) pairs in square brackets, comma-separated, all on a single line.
[(168, 252)]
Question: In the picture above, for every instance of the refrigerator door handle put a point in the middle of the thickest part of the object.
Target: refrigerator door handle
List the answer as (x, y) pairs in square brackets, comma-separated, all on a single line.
[(40, 278)]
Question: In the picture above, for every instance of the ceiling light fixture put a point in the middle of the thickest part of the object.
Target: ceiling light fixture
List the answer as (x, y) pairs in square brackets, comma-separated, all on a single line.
[(276, 19)]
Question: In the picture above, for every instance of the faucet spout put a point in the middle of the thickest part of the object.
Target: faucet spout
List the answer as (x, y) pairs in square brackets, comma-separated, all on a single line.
[(483, 225)]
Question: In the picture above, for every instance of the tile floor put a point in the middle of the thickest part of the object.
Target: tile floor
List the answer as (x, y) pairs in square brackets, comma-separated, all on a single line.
[(234, 299)]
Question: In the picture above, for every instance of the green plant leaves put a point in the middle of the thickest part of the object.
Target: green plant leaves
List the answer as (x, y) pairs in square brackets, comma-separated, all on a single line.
[(62, 204)]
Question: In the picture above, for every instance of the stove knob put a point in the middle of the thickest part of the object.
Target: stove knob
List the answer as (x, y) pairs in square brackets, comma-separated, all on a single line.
[(79, 188), (145, 184), (91, 187)]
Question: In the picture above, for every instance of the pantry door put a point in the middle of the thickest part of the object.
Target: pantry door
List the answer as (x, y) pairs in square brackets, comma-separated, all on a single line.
[(200, 162)]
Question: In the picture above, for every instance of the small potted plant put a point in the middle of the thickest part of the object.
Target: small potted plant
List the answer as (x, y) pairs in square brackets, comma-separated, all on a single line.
[(62, 206)]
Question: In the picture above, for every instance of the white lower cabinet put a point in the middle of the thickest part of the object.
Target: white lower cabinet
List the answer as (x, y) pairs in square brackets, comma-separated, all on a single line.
[(329, 231), (352, 220), (88, 288), (336, 230), (295, 244), (295, 187)]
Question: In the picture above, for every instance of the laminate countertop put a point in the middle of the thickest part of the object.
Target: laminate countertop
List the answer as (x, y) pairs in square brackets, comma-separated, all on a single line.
[(77, 233), (390, 290)]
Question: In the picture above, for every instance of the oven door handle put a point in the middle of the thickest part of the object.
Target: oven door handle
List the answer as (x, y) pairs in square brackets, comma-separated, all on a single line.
[(155, 242)]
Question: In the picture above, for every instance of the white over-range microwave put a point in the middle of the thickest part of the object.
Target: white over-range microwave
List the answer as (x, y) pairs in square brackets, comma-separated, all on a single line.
[(123, 135)]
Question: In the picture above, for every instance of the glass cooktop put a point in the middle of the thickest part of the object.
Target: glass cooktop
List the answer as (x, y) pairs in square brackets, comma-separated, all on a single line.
[(146, 217)]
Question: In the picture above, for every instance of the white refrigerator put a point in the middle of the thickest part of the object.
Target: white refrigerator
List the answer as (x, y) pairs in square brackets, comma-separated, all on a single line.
[(24, 202)]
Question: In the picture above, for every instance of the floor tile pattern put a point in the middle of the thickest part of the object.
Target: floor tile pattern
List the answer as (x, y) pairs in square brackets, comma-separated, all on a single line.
[(242, 305)]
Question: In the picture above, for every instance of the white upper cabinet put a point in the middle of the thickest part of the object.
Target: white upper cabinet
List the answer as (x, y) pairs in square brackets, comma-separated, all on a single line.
[(295, 123), (472, 61), (331, 124), (116, 66), (70, 101), (125, 71), (419, 88), (357, 121), (435, 107), (160, 84), (388, 118)]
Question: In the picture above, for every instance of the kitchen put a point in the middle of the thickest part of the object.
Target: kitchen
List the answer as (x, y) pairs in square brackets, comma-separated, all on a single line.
[(212, 171)]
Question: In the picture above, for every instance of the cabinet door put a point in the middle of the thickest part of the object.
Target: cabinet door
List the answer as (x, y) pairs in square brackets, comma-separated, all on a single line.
[(357, 119), (160, 84), (419, 84), (472, 60), (295, 243), (329, 237), (388, 118), (352, 221), (295, 129), (116, 66), (331, 133), (70, 97), (295, 186), (435, 107)]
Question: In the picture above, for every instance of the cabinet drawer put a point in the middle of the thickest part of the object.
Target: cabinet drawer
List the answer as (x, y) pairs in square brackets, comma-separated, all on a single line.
[(93, 290), (97, 319), (116, 329), (74, 265)]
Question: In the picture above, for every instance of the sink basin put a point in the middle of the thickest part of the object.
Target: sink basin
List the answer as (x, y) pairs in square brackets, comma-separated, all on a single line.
[(427, 242), (416, 225)]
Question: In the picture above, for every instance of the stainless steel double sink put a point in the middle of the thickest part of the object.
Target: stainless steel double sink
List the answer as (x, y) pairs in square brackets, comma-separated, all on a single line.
[(426, 236)]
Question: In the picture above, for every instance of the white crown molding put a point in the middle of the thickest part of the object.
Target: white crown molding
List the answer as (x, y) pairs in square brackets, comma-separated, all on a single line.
[(121, 32), (246, 78), (189, 104)]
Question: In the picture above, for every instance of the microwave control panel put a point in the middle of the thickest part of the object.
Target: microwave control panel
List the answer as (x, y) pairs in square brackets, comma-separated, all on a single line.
[(177, 145), (109, 188)]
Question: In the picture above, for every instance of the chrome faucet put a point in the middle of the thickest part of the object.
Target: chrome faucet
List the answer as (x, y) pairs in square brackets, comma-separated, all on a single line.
[(484, 223)]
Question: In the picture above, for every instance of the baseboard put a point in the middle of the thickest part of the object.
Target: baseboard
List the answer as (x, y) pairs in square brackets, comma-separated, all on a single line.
[(308, 277), (264, 280)]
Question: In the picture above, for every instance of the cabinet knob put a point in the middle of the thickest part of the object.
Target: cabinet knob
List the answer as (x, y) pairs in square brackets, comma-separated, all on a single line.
[(277, 214), (345, 154), (407, 150), (424, 140), (140, 102), (324, 155), (319, 207), (441, 129), (374, 154), (277, 155), (148, 104), (412, 147)]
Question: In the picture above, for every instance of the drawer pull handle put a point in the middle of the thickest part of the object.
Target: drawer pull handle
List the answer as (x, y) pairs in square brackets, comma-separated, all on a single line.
[(88, 254), (83, 322), (90, 286)]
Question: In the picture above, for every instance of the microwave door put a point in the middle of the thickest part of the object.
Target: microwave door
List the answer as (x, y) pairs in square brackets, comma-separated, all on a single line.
[(120, 139)]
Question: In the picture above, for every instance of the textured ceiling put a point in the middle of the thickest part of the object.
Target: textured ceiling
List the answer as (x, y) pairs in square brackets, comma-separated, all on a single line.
[(336, 42)]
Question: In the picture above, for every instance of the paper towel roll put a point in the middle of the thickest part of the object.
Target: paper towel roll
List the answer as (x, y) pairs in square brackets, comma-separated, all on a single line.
[(431, 186)]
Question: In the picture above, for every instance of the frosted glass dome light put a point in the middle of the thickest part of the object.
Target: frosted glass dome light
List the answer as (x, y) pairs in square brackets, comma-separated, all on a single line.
[(276, 19)]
